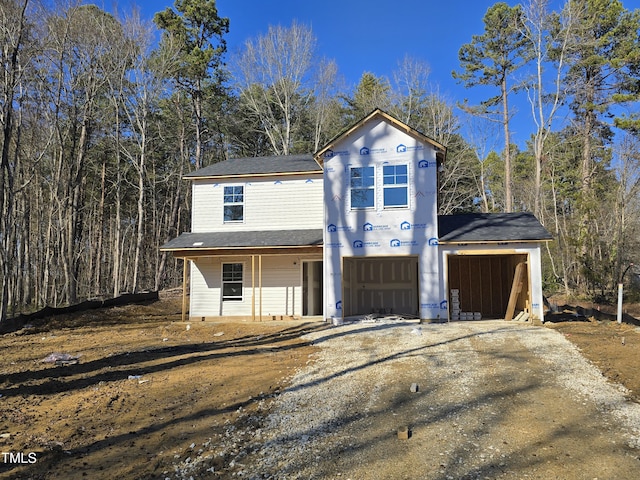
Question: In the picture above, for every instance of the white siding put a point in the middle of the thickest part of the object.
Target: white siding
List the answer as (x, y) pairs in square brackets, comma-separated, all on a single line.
[(205, 288), (270, 203), (281, 286)]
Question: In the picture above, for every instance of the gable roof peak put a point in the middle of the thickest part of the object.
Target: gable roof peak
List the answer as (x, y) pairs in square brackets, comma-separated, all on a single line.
[(390, 119)]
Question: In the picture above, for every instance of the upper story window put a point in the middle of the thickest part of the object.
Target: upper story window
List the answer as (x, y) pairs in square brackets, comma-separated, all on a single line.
[(234, 203), (362, 187), (395, 185)]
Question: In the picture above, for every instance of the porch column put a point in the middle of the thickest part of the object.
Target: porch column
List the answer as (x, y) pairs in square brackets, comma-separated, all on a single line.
[(253, 288), (184, 289), (260, 282)]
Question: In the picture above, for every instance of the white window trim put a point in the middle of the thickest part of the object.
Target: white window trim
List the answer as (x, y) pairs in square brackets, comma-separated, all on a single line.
[(395, 185), (373, 187), (244, 203), (222, 283)]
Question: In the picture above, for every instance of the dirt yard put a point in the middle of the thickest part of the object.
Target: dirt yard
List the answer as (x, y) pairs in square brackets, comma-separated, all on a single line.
[(153, 398)]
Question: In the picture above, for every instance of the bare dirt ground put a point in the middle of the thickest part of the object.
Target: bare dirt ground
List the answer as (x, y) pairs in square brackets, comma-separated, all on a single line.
[(154, 398)]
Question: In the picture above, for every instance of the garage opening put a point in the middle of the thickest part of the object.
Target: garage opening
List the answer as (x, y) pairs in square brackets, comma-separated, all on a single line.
[(387, 285), (488, 285)]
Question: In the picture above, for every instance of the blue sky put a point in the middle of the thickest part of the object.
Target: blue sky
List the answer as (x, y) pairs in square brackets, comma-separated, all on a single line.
[(361, 36), (374, 35)]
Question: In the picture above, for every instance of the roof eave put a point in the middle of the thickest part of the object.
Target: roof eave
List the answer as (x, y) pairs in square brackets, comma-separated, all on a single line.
[(498, 242), (251, 175), (236, 251)]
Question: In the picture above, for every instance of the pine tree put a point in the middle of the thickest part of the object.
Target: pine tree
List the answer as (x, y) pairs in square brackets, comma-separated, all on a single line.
[(490, 59)]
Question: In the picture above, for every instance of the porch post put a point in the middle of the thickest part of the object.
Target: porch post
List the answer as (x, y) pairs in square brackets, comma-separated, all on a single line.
[(253, 288), (260, 282), (184, 289)]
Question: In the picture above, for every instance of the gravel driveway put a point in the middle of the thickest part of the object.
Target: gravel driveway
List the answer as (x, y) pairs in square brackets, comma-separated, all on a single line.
[(495, 400)]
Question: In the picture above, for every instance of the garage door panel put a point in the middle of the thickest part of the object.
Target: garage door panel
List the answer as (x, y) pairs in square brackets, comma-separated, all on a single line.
[(380, 284)]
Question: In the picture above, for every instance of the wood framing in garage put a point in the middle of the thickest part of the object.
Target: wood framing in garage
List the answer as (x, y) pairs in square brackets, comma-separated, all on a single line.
[(485, 282)]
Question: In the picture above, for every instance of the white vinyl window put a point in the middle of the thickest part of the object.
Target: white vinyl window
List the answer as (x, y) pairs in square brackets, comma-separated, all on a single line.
[(395, 185), (233, 203), (231, 281), (362, 184)]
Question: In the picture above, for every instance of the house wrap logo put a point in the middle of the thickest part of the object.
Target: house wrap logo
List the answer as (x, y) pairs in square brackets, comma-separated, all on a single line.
[(369, 151), (427, 164), (429, 305), (330, 153), (333, 228), (402, 243), (415, 226), (433, 242), (361, 244), (339, 305), (370, 227), (404, 149)]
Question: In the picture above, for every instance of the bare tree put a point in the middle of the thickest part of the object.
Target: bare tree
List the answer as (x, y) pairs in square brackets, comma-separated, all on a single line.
[(325, 107), (147, 82), (410, 89), (624, 241), (274, 75), (13, 35), (545, 102)]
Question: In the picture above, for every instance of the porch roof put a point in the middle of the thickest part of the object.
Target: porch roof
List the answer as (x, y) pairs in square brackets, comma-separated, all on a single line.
[(280, 241)]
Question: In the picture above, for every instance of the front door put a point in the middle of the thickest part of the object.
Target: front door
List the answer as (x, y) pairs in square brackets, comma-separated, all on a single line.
[(312, 288)]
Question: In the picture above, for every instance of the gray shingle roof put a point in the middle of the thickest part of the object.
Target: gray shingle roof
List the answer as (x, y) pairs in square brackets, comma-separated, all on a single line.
[(491, 227), (270, 238), (259, 166)]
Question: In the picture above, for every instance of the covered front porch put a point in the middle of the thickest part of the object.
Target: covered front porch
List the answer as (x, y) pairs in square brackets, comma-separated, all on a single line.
[(251, 276)]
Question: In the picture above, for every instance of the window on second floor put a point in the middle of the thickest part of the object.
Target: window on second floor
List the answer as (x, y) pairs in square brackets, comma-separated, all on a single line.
[(362, 186), (234, 203), (395, 185)]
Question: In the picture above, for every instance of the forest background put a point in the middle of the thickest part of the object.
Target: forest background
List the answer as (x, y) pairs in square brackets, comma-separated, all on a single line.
[(102, 114)]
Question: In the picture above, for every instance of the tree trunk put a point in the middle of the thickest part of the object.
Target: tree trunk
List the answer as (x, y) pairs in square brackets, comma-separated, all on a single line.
[(117, 230), (508, 196), (140, 225), (7, 170)]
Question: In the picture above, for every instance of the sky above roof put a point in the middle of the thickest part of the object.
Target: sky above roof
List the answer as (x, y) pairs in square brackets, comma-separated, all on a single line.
[(370, 36), (374, 36)]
